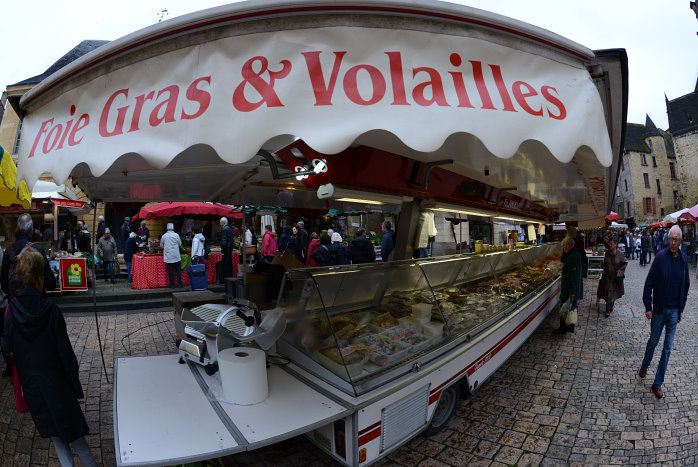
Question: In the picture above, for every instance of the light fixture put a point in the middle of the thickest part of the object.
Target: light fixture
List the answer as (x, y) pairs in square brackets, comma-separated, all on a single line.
[(460, 210), (357, 200), (328, 191)]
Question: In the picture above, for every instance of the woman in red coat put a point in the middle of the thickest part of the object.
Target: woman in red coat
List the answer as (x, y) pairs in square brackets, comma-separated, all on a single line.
[(312, 246), (268, 244)]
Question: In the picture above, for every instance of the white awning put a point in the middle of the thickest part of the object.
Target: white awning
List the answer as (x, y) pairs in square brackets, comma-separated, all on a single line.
[(180, 109)]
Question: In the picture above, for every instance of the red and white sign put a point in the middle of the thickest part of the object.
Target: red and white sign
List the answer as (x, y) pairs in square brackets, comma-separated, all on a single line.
[(73, 274), (329, 86), (67, 203)]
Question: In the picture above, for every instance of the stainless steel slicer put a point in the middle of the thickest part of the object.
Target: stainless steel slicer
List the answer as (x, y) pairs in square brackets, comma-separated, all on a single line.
[(212, 327)]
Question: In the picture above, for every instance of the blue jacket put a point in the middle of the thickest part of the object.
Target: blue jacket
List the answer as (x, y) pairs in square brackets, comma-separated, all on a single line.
[(654, 294), (130, 249), (387, 245)]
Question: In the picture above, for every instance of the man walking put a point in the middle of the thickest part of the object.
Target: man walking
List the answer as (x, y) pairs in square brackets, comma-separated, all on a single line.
[(106, 249), (664, 296), (644, 247), (226, 250)]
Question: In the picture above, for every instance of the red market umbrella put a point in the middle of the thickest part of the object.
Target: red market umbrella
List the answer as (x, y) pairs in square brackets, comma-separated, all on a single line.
[(691, 214), (613, 216), (193, 209)]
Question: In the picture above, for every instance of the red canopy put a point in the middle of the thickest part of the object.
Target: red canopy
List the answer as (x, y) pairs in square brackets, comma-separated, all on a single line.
[(691, 214), (193, 209), (613, 216)]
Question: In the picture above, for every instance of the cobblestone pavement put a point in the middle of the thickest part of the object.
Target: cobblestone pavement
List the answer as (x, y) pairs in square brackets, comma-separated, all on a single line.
[(559, 400)]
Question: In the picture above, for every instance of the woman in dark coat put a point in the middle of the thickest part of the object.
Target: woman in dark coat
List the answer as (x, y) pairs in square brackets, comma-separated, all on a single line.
[(611, 285), (35, 335), (570, 284)]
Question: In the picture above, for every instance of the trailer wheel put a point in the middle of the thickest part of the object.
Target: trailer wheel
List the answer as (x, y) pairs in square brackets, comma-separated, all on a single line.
[(444, 409)]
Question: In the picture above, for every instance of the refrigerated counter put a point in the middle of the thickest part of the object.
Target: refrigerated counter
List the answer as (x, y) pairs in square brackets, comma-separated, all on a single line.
[(357, 327)]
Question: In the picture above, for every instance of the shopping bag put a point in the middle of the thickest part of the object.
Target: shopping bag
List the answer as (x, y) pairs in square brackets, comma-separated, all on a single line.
[(565, 308), (20, 401), (571, 317)]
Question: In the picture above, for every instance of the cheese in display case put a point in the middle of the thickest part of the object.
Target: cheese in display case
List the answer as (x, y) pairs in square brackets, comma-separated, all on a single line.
[(358, 326)]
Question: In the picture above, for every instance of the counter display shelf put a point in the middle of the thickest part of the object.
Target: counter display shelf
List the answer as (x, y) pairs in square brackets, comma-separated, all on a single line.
[(357, 326)]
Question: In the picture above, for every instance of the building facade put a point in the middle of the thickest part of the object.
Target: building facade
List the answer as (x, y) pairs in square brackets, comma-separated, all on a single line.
[(648, 185), (683, 125)]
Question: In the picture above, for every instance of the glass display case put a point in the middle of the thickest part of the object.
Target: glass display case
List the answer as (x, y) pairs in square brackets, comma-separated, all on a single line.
[(358, 326)]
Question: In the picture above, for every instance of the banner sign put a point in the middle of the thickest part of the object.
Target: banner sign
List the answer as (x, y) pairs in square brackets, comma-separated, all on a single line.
[(328, 86), (67, 203)]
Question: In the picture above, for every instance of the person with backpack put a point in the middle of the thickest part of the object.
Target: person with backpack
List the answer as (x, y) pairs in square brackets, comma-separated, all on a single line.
[(8, 272), (325, 255)]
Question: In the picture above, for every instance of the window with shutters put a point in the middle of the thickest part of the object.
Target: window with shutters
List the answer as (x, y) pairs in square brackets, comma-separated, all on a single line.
[(654, 161), (643, 159), (659, 188), (649, 206), (646, 177), (629, 210), (672, 169)]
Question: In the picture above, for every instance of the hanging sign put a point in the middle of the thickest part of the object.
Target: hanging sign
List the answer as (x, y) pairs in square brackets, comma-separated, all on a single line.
[(67, 203)]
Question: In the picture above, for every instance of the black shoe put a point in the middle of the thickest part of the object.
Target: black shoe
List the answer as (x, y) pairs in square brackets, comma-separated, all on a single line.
[(570, 328), (658, 393), (172, 287)]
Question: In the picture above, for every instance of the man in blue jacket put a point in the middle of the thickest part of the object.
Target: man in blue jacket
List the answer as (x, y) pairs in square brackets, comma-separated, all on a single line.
[(388, 243), (664, 296)]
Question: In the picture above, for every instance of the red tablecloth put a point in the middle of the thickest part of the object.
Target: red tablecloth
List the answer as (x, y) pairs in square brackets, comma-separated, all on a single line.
[(150, 272), (213, 258)]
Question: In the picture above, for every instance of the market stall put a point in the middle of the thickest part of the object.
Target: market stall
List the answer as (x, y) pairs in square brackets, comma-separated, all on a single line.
[(149, 270), (416, 128)]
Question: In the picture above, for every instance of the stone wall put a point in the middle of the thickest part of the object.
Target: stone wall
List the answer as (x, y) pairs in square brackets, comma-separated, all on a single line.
[(686, 148)]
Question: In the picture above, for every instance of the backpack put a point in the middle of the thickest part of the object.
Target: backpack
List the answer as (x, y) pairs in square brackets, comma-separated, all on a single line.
[(13, 283)]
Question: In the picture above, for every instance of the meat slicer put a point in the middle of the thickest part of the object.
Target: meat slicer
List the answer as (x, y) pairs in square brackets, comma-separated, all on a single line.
[(212, 327)]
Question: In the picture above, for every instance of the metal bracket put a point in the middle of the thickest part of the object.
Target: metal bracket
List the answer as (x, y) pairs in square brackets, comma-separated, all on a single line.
[(275, 170), (425, 176)]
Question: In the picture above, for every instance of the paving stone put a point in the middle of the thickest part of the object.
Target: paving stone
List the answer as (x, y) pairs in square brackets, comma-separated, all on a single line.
[(558, 401)]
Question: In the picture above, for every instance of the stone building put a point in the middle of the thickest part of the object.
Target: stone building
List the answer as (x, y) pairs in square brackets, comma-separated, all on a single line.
[(683, 126), (648, 185)]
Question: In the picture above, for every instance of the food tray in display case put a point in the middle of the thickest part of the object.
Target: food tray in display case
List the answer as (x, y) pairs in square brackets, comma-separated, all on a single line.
[(358, 326)]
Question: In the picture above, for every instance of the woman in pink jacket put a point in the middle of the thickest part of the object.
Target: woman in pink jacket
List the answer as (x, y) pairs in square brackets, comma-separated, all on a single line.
[(268, 244)]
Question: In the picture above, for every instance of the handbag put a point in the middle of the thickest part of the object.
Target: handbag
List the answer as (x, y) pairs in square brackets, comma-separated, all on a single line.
[(571, 317), (20, 401), (619, 279)]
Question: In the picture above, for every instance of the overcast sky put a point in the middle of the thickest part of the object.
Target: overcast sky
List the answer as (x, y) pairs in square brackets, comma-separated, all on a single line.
[(659, 36)]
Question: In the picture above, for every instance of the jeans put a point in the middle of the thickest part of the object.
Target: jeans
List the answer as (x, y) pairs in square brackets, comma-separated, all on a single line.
[(171, 268), (643, 258), (632, 251), (65, 457), (108, 270), (649, 251), (669, 318), (128, 269)]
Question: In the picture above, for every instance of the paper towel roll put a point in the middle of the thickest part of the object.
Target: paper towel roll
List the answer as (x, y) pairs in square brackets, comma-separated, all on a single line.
[(243, 372)]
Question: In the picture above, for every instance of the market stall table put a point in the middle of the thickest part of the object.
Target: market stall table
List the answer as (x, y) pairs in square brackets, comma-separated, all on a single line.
[(213, 258), (150, 272)]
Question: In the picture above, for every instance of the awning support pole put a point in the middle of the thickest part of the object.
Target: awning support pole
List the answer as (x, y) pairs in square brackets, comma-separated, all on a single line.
[(94, 290)]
